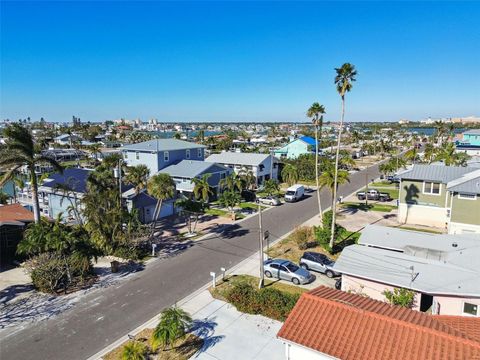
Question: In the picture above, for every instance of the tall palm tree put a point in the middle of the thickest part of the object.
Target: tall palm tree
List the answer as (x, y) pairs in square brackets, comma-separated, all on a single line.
[(429, 152), (330, 179), (316, 112), (161, 187), (95, 149), (346, 75), (138, 177), (202, 189), (290, 174), (20, 150)]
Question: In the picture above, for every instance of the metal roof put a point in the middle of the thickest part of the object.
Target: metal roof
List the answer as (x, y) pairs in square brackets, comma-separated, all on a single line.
[(309, 140), (235, 158), (440, 173), (74, 178), (192, 168), (162, 145), (429, 263), (468, 183), (472, 132)]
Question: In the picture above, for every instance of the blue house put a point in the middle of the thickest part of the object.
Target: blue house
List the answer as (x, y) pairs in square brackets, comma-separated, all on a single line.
[(157, 154), (66, 190), (185, 171), (297, 147), (470, 142)]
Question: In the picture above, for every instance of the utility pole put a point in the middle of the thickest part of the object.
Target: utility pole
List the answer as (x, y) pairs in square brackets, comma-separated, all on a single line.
[(119, 172), (271, 163), (260, 236), (366, 188)]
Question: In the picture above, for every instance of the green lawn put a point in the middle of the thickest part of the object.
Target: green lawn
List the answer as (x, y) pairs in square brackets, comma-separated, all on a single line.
[(250, 205), (371, 206), (222, 287), (383, 184), (216, 212)]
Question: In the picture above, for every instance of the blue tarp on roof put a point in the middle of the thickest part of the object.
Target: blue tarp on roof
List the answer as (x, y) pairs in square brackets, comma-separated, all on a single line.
[(308, 140)]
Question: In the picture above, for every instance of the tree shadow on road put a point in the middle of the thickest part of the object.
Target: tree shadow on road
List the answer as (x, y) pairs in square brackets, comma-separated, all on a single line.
[(13, 291)]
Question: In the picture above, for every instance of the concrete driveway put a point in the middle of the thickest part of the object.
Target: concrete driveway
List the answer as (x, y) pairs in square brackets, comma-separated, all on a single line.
[(230, 334)]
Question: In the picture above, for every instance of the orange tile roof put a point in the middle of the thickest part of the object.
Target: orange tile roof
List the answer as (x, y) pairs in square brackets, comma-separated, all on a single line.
[(15, 212), (350, 326)]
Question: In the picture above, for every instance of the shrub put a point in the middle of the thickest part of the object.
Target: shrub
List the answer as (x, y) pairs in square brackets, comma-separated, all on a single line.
[(53, 271), (303, 236), (269, 302), (173, 325), (400, 296), (134, 350)]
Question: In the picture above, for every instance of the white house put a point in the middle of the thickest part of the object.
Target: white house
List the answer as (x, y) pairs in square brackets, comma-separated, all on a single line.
[(263, 166)]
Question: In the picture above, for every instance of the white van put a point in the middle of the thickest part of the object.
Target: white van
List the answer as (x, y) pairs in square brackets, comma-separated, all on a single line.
[(294, 193)]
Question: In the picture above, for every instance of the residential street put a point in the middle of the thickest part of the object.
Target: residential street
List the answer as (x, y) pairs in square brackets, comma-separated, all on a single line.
[(104, 315)]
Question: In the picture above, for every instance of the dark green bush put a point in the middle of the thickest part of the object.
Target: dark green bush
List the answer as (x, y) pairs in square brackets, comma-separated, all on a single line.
[(269, 302)]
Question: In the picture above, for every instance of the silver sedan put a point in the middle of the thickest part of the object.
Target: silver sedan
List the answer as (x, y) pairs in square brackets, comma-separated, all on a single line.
[(287, 270)]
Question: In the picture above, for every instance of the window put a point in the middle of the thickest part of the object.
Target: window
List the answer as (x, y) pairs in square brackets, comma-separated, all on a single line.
[(467, 196), (166, 156), (187, 153), (125, 155), (275, 266), (431, 188), (137, 155), (470, 309), (199, 152), (222, 175)]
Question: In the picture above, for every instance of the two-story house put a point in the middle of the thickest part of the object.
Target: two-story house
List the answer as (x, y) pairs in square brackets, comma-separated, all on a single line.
[(441, 196), (302, 145), (185, 171), (65, 192), (157, 154), (470, 142), (263, 166)]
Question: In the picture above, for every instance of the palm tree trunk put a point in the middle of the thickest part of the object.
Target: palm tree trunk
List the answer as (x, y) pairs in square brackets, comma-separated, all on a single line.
[(320, 214), (334, 202), (156, 213), (36, 204)]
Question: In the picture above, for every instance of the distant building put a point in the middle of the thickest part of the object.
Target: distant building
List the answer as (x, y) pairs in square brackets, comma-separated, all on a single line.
[(441, 269), (330, 324), (263, 166), (469, 142), (295, 148), (442, 196), (157, 154)]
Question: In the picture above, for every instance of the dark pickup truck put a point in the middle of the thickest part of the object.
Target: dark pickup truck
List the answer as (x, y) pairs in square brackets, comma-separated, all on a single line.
[(374, 194)]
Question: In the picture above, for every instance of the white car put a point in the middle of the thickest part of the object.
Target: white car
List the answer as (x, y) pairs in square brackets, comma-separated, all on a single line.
[(270, 200)]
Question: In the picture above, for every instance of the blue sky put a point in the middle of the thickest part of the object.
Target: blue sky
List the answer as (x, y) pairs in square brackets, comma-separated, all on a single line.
[(232, 61)]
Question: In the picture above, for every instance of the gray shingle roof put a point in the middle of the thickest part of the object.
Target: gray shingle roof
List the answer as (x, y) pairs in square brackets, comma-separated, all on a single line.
[(192, 168), (252, 159), (440, 173), (438, 267), (468, 183), (162, 145)]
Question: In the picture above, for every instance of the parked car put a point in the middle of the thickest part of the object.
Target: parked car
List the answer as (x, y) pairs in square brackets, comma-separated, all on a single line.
[(393, 179), (287, 270), (270, 200), (294, 193), (318, 262), (374, 194)]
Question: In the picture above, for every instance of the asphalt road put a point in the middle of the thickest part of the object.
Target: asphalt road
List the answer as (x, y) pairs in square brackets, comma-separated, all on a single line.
[(104, 315)]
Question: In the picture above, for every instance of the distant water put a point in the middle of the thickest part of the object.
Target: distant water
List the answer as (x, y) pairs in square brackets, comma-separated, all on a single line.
[(428, 131), (191, 134)]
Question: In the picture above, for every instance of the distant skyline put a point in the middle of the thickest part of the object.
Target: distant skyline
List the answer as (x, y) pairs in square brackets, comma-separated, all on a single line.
[(233, 61)]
